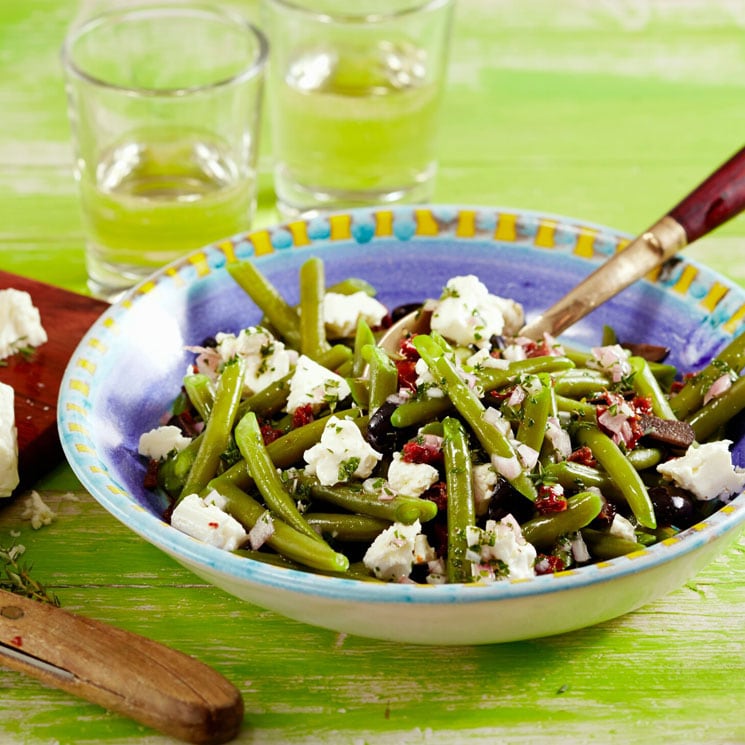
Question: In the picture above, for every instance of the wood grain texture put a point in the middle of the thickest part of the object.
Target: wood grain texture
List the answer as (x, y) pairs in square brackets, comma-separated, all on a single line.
[(604, 111)]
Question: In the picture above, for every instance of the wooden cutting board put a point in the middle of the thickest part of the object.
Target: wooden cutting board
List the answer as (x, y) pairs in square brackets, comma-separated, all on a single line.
[(66, 316)]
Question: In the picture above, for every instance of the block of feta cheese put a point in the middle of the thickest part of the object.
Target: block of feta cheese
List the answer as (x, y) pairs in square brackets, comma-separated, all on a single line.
[(468, 314), (159, 442), (20, 322), (342, 453), (706, 471), (205, 520), (342, 312), (314, 384), (8, 442)]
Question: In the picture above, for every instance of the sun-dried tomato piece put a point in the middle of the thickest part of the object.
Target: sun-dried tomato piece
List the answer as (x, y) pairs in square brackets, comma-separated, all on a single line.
[(302, 415), (550, 499), (270, 434), (424, 449), (583, 455), (406, 373), (549, 564)]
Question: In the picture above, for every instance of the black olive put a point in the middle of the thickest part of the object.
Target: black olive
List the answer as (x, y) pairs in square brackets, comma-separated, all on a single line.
[(381, 434), (673, 506), (496, 341), (209, 342), (402, 310), (605, 517), (506, 500)]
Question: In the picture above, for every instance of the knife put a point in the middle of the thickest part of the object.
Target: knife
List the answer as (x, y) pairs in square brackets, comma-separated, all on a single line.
[(121, 671), (717, 199)]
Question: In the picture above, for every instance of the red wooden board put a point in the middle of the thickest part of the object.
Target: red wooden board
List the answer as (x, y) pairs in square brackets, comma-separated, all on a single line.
[(66, 316)]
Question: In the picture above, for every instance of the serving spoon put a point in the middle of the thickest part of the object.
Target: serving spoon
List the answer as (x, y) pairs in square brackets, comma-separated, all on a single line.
[(720, 197)]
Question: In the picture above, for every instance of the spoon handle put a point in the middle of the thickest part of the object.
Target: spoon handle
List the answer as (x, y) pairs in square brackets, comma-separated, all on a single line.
[(718, 198), (121, 671)]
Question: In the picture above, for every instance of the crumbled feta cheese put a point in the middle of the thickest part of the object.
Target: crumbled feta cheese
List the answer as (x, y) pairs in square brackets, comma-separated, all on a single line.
[(483, 359), (468, 314), (8, 442), (484, 478), (37, 511), (205, 521), (500, 551), (392, 554), (425, 381), (262, 531), (265, 358), (622, 528), (341, 313), (315, 385), (159, 442), (706, 471), (20, 323), (341, 453), (411, 479)]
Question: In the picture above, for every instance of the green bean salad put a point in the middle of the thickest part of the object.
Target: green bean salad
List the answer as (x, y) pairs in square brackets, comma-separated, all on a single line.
[(469, 454)]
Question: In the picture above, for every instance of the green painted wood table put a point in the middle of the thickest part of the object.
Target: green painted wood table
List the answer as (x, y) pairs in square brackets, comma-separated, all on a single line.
[(606, 111)]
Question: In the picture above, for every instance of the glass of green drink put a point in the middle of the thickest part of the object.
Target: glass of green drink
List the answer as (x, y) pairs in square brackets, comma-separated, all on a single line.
[(354, 92), (164, 103)]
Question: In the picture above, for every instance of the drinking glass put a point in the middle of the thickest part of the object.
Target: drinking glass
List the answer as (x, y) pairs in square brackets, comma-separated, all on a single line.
[(354, 91), (164, 103)]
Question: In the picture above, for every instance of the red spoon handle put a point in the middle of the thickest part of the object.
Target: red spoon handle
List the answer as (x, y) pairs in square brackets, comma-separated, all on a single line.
[(717, 199)]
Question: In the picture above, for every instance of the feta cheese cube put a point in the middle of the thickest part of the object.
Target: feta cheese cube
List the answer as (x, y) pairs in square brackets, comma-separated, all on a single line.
[(20, 322), (313, 384), (468, 314), (500, 551), (159, 442), (706, 471), (206, 522), (392, 554), (8, 442), (341, 453), (341, 313), (622, 528), (484, 478), (266, 359), (411, 479)]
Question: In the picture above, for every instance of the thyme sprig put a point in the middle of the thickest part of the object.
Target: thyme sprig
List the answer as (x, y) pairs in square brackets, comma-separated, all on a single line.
[(15, 577)]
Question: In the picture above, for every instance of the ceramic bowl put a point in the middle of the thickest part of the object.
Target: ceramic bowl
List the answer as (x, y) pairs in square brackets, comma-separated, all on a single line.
[(129, 367)]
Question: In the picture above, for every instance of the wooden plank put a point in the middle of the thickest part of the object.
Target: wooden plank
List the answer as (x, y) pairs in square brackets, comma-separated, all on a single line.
[(66, 316)]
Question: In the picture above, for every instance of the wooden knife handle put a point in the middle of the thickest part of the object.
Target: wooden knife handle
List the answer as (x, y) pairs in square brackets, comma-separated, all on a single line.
[(119, 670), (717, 199)]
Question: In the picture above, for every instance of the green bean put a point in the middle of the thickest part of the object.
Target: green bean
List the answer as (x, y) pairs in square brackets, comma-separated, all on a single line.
[(621, 471), (461, 511), (173, 472), (717, 412), (383, 376), (264, 473), (691, 395), (543, 531), (580, 409), (492, 378), (664, 373), (355, 499), (579, 477), (417, 411), (643, 458), (312, 325), (608, 336), (578, 383), (535, 412), (362, 337), (472, 410), (282, 316), (347, 527), (218, 429), (201, 393), (284, 539), (603, 546), (351, 285), (287, 450), (645, 384)]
